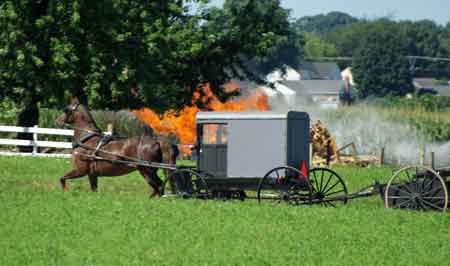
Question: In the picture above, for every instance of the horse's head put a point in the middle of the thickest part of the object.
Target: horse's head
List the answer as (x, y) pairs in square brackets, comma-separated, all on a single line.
[(73, 113)]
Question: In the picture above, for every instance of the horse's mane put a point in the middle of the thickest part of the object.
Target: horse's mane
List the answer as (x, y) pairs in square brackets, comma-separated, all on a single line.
[(148, 130), (91, 120)]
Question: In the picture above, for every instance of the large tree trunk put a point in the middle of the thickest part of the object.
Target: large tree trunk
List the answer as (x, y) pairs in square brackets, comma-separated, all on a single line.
[(28, 117)]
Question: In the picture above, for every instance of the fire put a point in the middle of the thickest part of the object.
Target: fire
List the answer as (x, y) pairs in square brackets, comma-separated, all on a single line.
[(182, 124)]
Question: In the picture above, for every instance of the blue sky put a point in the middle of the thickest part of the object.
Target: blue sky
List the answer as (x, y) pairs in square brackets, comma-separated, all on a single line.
[(437, 10)]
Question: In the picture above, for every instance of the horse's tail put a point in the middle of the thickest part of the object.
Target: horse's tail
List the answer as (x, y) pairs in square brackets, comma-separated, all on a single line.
[(170, 152)]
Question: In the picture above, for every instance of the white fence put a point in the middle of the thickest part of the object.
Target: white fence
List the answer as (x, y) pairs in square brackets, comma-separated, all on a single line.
[(36, 143)]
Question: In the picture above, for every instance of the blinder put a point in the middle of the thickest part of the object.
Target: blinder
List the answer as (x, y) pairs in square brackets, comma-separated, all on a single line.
[(68, 109)]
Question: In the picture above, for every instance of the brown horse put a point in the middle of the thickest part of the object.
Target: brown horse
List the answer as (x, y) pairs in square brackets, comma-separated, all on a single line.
[(94, 156)]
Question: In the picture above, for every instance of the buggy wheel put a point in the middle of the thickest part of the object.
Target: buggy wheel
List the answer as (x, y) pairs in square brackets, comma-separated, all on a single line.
[(285, 184), (185, 183), (417, 188), (328, 187)]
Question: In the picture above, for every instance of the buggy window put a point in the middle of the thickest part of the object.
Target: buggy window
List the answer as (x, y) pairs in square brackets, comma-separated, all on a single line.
[(215, 134)]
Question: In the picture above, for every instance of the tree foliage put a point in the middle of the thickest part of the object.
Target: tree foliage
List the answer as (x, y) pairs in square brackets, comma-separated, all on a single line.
[(426, 38), (317, 47), (258, 34), (380, 66), (126, 54), (323, 24)]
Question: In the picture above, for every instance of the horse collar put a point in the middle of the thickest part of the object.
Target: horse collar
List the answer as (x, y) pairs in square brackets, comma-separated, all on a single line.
[(84, 138)]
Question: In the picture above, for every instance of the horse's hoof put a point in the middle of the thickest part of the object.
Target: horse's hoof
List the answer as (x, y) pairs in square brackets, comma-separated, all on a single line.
[(155, 195)]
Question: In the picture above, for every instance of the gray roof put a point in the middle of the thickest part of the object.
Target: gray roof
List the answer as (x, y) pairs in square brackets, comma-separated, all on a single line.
[(215, 116), (431, 84), (319, 70), (424, 83), (315, 87)]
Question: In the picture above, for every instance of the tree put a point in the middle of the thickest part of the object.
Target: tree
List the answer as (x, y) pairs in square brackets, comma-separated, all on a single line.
[(254, 35), (380, 66), (127, 54), (426, 38), (324, 24), (347, 40), (316, 47)]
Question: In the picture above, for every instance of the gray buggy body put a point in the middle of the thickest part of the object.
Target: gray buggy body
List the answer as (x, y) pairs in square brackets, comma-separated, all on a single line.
[(248, 144)]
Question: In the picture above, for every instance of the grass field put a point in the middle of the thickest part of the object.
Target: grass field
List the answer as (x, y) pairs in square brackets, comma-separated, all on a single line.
[(120, 225)]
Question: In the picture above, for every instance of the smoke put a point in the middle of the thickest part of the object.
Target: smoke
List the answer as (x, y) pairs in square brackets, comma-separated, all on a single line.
[(370, 131)]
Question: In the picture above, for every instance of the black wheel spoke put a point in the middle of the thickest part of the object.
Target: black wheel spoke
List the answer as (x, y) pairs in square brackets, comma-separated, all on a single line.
[(433, 198), (335, 184), (398, 189), (406, 201), (432, 205), (435, 190), (430, 183), (315, 186), (330, 203), (335, 192), (321, 180), (328, 181), (399, 197)]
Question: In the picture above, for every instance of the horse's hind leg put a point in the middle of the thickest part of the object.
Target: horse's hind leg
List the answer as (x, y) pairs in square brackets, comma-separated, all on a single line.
[(152, 179), (70, 175), (93, 181)]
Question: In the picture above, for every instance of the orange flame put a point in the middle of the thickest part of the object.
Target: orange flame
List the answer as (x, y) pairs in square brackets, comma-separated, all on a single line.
[(182, 124)]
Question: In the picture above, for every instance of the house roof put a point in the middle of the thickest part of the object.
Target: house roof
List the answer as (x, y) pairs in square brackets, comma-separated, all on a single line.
[(442, 90), (319, 70), (314, 87), (422, 83), (202, 117), (432, 84), (288, 74)]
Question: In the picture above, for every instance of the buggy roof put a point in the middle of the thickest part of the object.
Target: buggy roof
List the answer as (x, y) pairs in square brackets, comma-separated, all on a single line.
[(203, 117)]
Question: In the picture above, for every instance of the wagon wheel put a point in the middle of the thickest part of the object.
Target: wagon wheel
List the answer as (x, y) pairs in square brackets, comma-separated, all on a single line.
[(418, 188), (328, 187), (285, 184), (185, 183)]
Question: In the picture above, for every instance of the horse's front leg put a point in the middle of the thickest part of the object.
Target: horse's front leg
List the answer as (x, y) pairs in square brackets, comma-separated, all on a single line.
[(70, 175), (93, 181)]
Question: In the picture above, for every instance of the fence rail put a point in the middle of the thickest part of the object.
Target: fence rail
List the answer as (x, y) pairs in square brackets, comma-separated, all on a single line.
[(35, 142)]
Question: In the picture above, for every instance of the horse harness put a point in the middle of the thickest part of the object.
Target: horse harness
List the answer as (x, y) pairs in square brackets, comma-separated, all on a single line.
[(105, 139)]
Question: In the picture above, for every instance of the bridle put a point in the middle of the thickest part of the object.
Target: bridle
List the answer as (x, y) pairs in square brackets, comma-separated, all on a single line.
[(69, 111)]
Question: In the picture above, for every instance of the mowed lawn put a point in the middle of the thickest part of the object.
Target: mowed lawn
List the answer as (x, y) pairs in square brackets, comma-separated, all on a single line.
[(120, 225)]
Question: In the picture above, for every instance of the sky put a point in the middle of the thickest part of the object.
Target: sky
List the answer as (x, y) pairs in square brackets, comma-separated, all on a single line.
[(437, 10)]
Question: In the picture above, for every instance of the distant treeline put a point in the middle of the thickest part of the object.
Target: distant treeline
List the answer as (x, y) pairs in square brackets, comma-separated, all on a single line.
[(339, 34)]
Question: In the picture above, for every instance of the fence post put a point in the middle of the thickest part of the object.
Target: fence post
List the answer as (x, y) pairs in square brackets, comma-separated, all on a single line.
[(109, 128), (382, 156), (422, 155), (432, 158), (35, 139)]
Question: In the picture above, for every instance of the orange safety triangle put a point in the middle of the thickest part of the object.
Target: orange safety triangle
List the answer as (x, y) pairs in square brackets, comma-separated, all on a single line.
[(304, 169)]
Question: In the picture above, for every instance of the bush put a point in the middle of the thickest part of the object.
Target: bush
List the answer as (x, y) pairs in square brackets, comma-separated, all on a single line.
[(426, 102), (8, 112)]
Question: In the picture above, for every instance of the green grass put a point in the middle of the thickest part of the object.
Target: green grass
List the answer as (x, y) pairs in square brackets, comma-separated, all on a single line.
[(120, 225)]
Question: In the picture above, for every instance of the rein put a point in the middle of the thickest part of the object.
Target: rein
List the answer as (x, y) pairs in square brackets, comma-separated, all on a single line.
[(85, 130)]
